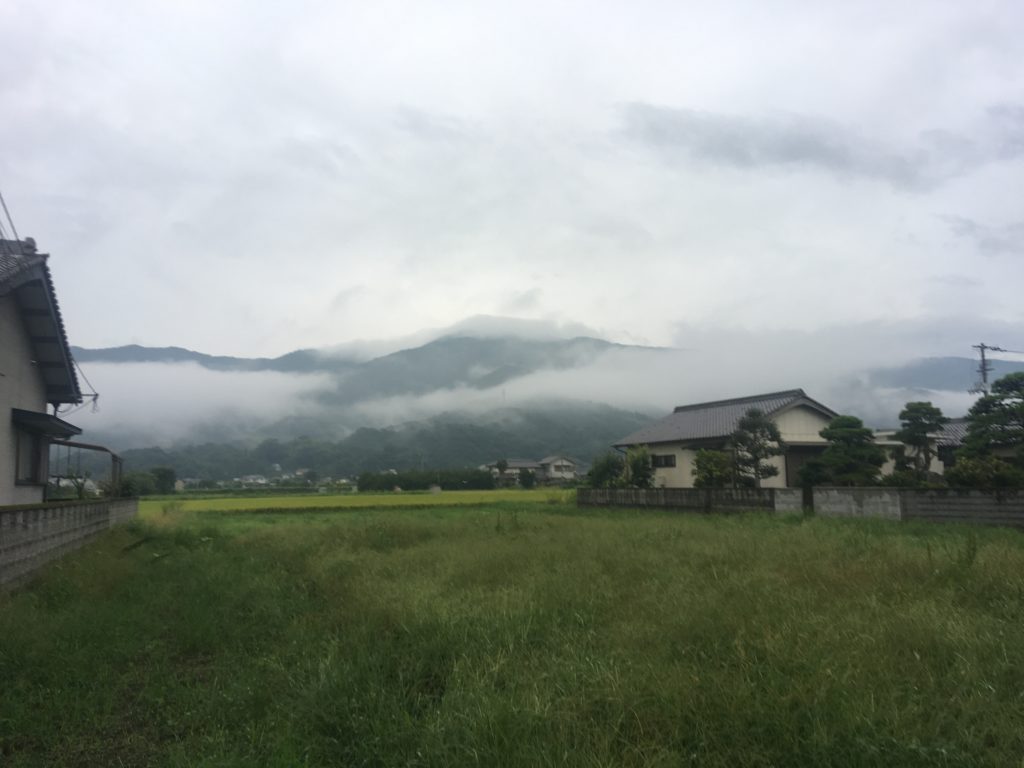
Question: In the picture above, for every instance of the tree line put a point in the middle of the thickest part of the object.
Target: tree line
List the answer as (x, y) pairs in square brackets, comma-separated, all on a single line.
[(417, 480)]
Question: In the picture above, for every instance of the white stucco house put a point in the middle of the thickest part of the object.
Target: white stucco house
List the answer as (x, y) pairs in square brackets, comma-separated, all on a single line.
[(36, 373), (558, 469), (673, 442)]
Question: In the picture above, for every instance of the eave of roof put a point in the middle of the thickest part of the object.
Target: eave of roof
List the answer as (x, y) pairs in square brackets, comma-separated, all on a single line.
[(26, 274), (43, 423)]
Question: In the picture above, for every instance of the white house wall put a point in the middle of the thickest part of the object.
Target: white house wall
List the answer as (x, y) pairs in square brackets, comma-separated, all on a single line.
[(801, 425), (21, 386), (679, 476), (935, 467)]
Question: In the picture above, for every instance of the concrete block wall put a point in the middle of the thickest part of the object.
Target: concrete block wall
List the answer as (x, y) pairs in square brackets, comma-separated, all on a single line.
[(963, 506), (946, 505), (789, 501), (31, 536), (678, 498), (858, 502)]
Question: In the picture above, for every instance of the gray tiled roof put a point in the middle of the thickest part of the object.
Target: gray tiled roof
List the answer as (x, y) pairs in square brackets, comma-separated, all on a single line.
[(705, 421), (954, 432)]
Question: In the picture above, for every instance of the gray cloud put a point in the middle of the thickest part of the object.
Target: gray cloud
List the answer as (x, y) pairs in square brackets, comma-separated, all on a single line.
[(992, 241), (522, 301), (799, 141), (1008, 124), (225, 171), (429, 126)]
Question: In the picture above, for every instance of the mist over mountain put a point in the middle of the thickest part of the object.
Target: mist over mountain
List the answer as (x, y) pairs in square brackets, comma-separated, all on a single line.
[(443, 364), (410, 400), (952, 374), (299, 361), (502, 387)]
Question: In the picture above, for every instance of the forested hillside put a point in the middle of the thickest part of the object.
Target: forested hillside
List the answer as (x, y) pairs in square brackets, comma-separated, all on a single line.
[(450, 440)]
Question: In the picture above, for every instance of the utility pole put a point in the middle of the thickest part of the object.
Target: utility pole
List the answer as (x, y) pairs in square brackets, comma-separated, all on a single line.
[(985, 367)]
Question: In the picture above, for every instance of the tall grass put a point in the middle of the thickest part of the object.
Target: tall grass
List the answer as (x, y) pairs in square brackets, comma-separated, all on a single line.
[(518, 635)]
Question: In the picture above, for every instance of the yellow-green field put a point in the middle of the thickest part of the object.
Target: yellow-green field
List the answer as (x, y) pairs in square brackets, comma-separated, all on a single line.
[(353, 500)]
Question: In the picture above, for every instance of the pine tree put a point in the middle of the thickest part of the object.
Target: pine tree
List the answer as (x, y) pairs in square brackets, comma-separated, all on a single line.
[(755, 442)]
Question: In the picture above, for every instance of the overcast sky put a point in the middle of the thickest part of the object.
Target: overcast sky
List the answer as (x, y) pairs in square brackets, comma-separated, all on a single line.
[(248, 178)]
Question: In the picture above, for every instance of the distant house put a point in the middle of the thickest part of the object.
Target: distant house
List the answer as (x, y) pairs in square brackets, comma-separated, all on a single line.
[(557, 469), (943, 447), (36, 370), (511, 474), (252, 480), (551, 469), (674, 441)]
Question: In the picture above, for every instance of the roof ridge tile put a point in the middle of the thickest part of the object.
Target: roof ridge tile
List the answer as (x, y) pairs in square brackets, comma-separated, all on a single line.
[(793, 393)]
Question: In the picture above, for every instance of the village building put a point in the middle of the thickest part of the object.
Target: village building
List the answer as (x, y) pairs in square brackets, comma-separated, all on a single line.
[(551, 470), (558, 469), (673, 442), (36, 373)]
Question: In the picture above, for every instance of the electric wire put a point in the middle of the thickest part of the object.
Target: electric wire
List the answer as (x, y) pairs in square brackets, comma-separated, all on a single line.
[(7, 213)]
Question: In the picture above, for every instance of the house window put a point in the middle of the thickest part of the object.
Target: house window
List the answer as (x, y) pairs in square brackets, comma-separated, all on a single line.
[(663, 460), (28, 458)]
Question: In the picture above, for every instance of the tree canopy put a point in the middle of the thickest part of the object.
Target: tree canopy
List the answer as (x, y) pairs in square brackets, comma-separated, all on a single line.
[(997, 419), (920, 420), (712, 469), (639, 471), (852, 457), (755, 442), (606, 471), (984, 472), (613, 470)]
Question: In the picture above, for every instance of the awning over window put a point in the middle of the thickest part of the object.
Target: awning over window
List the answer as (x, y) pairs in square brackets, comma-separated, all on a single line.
[(43, 424)]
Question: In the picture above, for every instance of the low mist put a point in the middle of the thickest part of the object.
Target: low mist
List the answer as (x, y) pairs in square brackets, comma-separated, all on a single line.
[(148, 404), (144, 404)]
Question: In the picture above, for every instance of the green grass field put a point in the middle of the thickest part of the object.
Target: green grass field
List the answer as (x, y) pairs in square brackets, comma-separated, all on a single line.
[(517, 634)]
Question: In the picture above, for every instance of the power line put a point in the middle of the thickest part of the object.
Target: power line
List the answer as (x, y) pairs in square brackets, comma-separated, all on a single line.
[(7, 213)]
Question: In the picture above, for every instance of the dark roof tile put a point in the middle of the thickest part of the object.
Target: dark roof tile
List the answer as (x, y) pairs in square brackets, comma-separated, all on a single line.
[(953, 432), (717, 419)]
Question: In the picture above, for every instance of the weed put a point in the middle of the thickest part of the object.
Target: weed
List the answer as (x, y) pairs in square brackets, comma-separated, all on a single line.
[(172, 507)]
